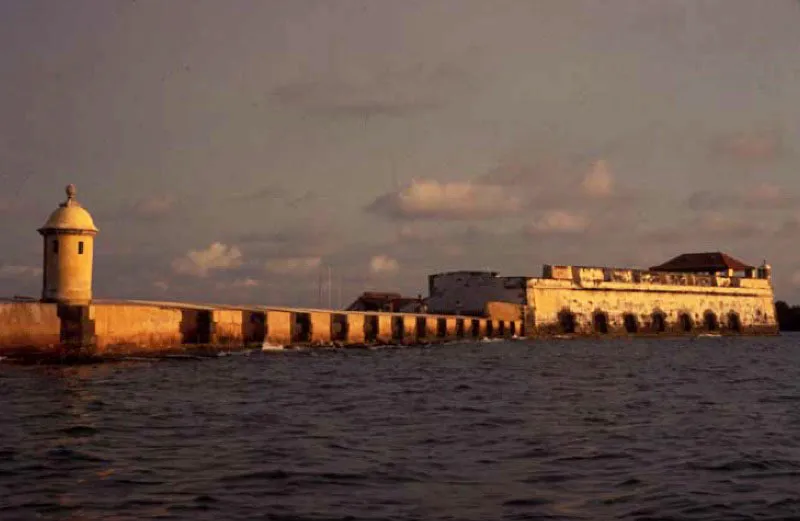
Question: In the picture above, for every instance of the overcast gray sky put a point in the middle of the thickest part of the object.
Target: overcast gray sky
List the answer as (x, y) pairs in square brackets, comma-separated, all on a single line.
[(231, 150)]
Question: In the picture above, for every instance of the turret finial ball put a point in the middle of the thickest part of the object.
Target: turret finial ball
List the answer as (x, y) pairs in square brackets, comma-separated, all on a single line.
[(71, 191)]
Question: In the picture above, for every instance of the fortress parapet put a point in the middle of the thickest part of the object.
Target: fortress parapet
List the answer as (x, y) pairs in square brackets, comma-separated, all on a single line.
[(588, 276)]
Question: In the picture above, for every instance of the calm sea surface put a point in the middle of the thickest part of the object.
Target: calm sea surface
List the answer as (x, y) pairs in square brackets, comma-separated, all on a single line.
[(642, 429)]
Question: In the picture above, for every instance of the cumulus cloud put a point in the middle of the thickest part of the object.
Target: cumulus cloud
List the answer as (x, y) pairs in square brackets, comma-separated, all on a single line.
[(199, 263), (383, 265), (456, 200), (598, 182), (558, 221), (293, 265), (14, 271)]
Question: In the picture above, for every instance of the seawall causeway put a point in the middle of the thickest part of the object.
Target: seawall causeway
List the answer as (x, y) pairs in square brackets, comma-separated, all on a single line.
[(107, 330)]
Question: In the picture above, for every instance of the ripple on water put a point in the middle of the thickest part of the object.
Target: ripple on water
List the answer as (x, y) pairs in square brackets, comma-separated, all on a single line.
[(645, 429)]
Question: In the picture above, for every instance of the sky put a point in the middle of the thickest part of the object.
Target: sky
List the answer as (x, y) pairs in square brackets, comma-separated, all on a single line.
[(240, 152)]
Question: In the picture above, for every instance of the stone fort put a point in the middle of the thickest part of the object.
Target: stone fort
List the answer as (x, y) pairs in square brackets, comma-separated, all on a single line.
[(701, 293), (695, 293)]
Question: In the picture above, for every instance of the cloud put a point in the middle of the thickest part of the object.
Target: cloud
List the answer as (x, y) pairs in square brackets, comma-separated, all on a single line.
[(199, 263), (456, 200), (762, 196), (153, 206), (751, 146), (768, 195), (383, 265), (790, 226), (598, 182), (311, 235), (519, 173), (243, 283), (360, 92), (558, 221), (266, 192), (293, 265), (14, 271), (337, 99), (9, 207), (712, 225)]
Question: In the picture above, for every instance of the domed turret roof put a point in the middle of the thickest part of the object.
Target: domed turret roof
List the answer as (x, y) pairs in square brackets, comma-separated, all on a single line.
[(70, 215)]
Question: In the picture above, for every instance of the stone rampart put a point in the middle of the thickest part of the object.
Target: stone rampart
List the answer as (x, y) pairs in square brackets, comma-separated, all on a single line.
[(114, 329), (616, 307), (25, 326), (122, 328)]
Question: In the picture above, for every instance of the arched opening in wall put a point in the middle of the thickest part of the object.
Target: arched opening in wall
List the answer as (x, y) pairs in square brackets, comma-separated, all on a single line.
[(686, 323), (512, 329), (475, 328), (370, 328), (441, 327), (339, 327), (501, 328), (659, 322), (489, 328), (710, 321), (460, 327), (566, 321), (600, 320), (397, 329), (421, 329), (301, 328), (631, 323), (734, 322)]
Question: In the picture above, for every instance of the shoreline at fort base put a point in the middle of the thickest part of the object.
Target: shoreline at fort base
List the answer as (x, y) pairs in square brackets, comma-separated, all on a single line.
[(692, 294)]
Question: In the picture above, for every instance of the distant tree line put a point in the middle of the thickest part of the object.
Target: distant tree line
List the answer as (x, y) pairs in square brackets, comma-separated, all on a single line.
[(788, 316)]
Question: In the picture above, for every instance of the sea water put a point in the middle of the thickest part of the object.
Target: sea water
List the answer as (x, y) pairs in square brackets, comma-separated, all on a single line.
[(705, 428)]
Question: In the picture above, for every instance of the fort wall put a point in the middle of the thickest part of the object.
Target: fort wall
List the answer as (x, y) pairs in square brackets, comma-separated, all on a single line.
[(122, 329), (594, 303), (27, 325), (115, 329), (585, 300)]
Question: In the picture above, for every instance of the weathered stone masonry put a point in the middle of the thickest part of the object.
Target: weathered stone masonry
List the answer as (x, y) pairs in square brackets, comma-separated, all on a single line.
[(576, 300), (619, 302), (113, 329)]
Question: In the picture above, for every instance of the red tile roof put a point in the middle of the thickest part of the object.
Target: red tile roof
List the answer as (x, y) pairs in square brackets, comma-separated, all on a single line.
[(702, 262)]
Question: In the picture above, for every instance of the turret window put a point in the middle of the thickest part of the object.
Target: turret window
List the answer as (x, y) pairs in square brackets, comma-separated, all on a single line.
[(80, 248), (55, 246)]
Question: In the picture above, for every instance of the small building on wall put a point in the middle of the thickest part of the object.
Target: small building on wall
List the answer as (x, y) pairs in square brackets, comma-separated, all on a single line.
[(468, 292), (694, 293), (389, 302)]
